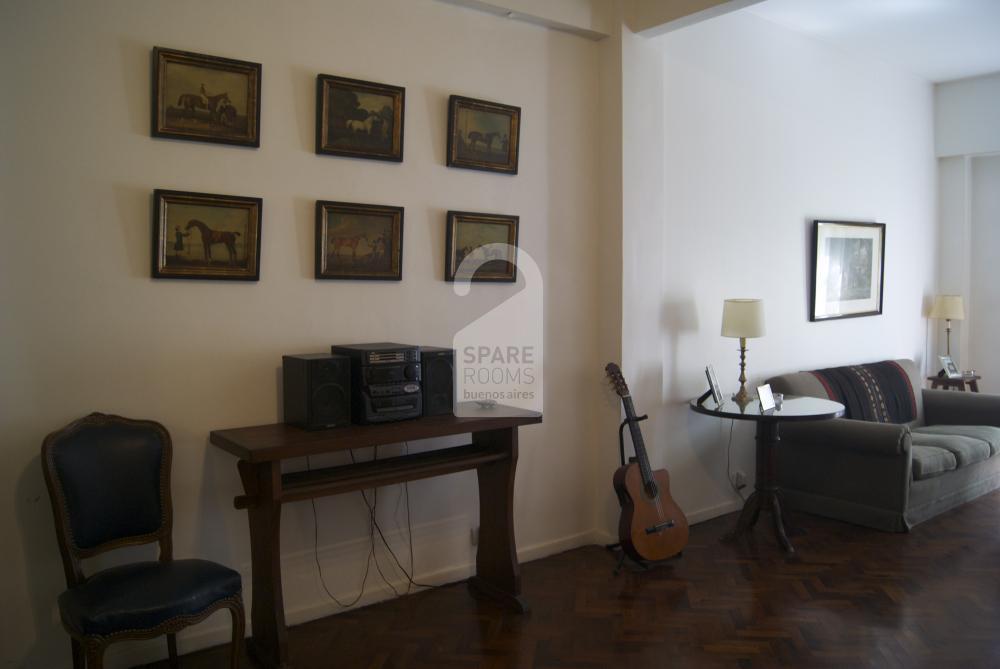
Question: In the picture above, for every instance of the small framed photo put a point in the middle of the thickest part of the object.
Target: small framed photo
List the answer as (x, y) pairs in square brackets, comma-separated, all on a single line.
[(206, 236), (713, 384), (483, 135), (950, 368), (766, 397), (359, 241), (848, 269), (359, 119), (485, 243), (205, 98)]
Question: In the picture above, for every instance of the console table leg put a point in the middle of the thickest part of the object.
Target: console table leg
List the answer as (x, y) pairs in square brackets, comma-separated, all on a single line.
[(498, 574), (269, 644)]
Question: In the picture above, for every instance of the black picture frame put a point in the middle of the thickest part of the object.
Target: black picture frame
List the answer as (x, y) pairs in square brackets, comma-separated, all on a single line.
[(473, 148), (382, 251), (346, 128), (183, 109), (187, 247), (498, 270), (848, 276)]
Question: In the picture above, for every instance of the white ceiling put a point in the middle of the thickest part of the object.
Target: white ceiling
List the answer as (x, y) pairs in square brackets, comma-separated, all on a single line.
[(938, 40)]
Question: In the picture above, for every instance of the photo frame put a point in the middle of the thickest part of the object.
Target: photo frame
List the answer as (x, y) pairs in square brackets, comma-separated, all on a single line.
[(359, 119), (950, 369), (359, 241), (848, 263), (483, 135), (206, 236), (713, 385), (473, 235), (205, 98), (766, 398)]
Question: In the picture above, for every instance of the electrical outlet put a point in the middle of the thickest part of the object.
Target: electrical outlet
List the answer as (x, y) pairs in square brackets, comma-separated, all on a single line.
[(740, 479), (474, 536)]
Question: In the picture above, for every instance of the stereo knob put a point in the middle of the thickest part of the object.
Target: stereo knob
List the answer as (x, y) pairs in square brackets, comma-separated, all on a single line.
[(411, 372)]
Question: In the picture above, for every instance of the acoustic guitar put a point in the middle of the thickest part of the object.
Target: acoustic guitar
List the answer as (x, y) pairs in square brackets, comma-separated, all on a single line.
[(652, 527)]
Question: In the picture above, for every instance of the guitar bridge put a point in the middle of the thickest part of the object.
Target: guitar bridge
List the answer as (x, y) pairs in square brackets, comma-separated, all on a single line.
[(659, 527)]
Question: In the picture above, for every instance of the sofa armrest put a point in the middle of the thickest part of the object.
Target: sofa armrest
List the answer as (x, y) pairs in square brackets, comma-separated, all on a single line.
[(950, 407), (883, 439)]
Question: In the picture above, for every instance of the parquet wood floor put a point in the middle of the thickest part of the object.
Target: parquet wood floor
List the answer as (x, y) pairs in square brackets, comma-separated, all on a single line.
[(851, 597)]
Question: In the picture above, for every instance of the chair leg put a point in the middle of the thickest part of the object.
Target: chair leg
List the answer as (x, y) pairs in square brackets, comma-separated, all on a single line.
[(79, 658), (172, 650), (239, 624), (95, 656)]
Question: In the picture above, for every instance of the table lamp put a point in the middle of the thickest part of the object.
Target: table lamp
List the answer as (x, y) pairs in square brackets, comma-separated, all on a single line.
[(950, 308), (743, 319)]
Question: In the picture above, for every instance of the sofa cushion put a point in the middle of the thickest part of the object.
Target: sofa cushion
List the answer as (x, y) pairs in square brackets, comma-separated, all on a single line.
[(987, 433), (967, 450), (929, 461)]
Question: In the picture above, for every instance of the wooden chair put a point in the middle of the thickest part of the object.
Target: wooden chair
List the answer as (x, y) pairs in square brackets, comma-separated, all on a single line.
[(109, 483)]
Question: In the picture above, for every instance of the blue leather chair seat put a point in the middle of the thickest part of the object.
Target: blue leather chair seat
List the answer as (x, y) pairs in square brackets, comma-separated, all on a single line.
[(143, 595)]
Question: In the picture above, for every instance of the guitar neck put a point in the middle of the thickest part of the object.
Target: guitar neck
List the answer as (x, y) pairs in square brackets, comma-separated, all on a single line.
[(637, 443)]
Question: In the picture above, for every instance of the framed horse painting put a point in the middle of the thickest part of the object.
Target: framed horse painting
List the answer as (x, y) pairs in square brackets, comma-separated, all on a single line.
[(359, 241), (205, 98), (206, 236), (359, 119), (483, 135), (481, 247)]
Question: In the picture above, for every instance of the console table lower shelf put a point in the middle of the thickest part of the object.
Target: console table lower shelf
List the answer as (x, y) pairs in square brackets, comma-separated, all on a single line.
[(261, 449)]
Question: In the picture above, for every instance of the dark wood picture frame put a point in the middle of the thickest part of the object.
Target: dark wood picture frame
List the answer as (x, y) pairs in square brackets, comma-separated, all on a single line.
[(353, 130), (471, 138), (226, 111), (862, 275), (455, 252), (221, 238), (384, 249)]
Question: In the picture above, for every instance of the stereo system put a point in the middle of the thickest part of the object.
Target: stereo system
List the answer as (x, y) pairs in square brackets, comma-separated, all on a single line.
[(367, 383)]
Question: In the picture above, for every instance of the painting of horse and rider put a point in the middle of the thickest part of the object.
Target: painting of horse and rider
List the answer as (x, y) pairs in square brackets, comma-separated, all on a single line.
[(359, 241), (359, 119), (206, 98), (205, 236), (483, 135)]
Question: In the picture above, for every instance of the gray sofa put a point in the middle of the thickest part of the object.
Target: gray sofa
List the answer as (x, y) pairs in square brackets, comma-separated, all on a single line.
[(886, 475)]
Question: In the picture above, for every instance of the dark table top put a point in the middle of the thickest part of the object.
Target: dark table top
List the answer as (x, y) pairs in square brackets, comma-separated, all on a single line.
[(278, 441), (792, 409)]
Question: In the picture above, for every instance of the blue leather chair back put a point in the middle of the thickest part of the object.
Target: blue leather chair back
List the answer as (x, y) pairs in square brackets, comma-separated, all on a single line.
[(111, 481)]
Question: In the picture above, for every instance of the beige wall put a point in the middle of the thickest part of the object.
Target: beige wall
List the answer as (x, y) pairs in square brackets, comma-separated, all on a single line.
[(84, 328)]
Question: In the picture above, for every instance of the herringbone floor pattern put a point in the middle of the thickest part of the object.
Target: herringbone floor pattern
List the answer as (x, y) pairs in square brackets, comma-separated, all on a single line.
[(851, 597)]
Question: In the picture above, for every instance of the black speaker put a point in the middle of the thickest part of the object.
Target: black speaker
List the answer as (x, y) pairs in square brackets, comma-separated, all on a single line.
[(438, 368), (317, 390)]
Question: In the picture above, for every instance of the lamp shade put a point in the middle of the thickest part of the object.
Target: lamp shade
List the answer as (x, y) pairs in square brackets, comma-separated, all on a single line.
[(948, 307), (743, 318)]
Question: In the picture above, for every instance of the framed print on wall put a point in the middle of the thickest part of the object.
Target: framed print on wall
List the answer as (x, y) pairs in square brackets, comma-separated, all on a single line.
[(483, 135), (205, 98), (359, 241), (206, 236), (359, 119), (469, 235), (848, 269)]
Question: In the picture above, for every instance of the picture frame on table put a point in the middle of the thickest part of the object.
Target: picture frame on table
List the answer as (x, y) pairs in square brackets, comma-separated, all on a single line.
[(487, 241), (205, 98), (359, 119), (766, 398), (359, 241), (848, 263), (951, 370), (206, 236), (483, 135), (713, 384)]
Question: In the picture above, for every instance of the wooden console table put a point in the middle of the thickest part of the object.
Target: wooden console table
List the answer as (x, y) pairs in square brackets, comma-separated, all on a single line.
[(260, 449), (958, 383)]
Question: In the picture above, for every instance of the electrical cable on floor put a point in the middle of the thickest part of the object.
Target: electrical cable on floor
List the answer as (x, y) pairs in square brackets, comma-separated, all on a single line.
[(729, 463)]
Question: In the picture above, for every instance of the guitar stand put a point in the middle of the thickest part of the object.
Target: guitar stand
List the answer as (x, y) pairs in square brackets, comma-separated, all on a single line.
[(640, 565)]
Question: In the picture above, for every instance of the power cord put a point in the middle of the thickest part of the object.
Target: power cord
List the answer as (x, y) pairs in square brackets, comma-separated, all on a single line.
[(729, 464)]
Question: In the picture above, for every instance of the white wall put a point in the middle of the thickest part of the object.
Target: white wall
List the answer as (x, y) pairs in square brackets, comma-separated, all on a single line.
[(967, 116), (84, 327), (984, 293), (762, 131)]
